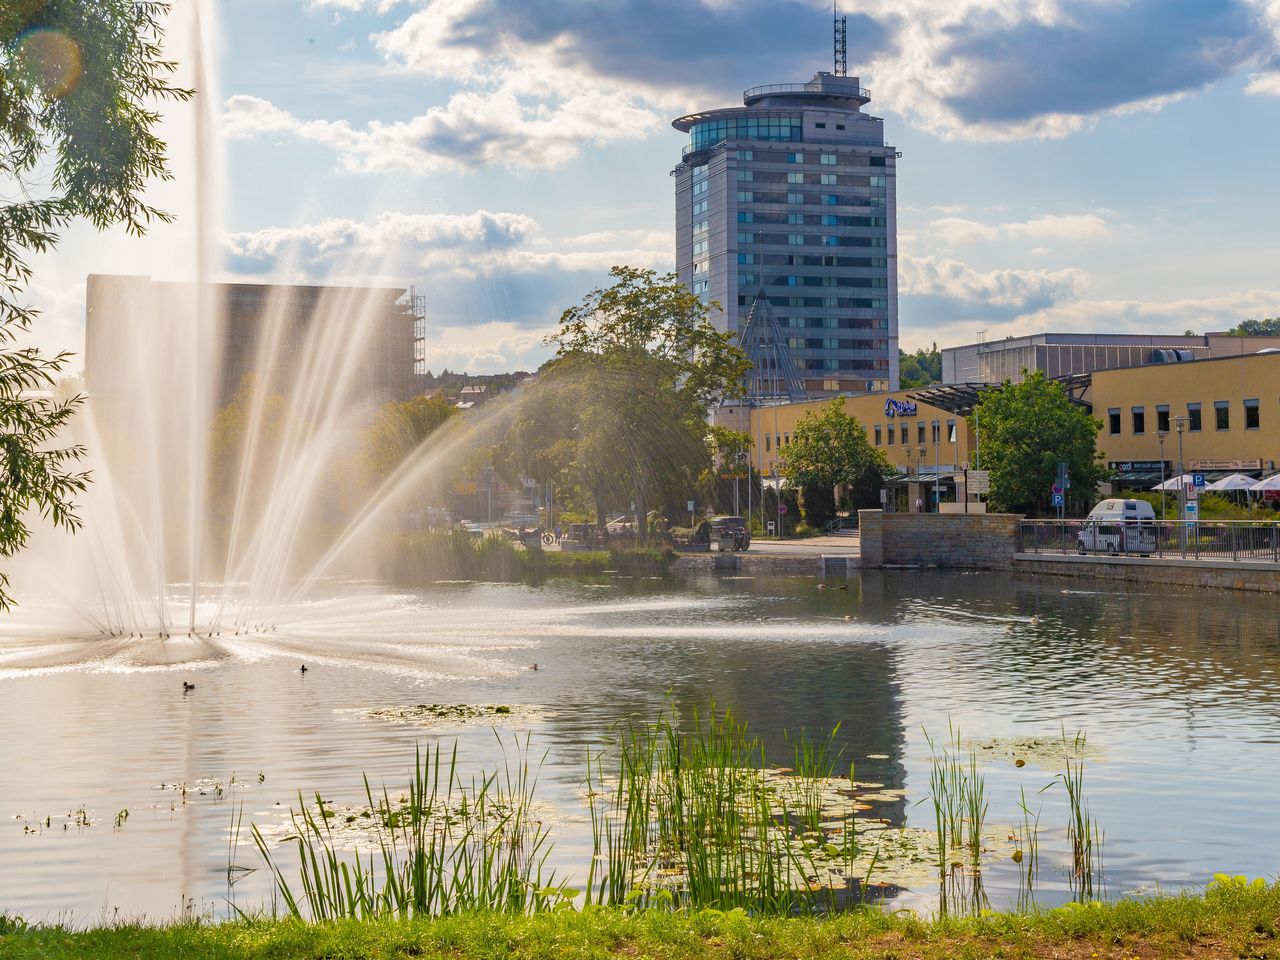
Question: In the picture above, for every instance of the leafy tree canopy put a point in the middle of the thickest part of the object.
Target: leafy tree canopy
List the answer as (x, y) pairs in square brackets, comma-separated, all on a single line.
[(921, 368), (830, 449), (1026, 429), (79, 81), (1267, 327), (619, 411)]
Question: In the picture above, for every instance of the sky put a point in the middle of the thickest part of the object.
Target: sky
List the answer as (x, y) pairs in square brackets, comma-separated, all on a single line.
[(1067, 165)]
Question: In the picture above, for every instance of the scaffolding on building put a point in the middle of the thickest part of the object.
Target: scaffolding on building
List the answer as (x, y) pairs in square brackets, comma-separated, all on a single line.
[(417, 307), (774, 376)]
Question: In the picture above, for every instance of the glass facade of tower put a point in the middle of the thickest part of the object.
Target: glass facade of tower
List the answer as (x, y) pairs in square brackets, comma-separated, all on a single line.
[(794, 194)]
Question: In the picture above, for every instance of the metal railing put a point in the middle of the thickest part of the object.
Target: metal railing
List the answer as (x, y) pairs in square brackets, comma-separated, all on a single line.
[(1231, 540), (845, 89)]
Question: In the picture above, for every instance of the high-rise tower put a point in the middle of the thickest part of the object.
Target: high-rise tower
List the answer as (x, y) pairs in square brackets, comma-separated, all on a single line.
[(794, 194)]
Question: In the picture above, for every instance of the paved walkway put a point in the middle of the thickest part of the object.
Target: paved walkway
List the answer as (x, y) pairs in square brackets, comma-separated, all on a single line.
[(844, 543)]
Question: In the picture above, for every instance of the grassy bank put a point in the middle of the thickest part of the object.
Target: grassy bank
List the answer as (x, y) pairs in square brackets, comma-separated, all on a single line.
[(1227, 921)]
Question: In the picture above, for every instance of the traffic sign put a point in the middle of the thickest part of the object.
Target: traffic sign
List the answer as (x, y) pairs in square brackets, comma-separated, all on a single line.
[(1198, 479), (1057, 490), (782, 508), (1057, 499)]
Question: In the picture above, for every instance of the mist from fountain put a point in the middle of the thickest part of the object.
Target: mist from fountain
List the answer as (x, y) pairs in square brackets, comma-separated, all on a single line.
[(209, 521)]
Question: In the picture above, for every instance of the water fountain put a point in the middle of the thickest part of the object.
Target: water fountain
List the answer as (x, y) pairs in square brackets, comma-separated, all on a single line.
[(216, 440)]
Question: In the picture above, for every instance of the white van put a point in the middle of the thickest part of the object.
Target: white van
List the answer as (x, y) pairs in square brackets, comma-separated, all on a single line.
[(1119, 526)]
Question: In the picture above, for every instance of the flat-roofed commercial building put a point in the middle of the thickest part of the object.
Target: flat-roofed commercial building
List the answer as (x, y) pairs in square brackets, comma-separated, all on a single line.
[(1228, 409), (794, 194), (1070, 354), (928, 446)]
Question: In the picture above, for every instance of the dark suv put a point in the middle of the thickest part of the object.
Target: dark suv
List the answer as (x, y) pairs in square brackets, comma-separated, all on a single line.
[(735, 525)]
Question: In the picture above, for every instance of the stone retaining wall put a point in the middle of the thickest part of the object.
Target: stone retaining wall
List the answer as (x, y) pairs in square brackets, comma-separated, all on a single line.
[(982, 541), (1223, 574)]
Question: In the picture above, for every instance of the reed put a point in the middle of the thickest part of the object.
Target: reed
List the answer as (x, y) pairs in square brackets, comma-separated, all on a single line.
[(691, 820), (449, 846), (1083, 832)]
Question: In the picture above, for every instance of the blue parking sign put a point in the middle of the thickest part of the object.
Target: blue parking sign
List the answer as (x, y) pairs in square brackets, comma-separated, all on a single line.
[(1197, 479), (1057, 500)]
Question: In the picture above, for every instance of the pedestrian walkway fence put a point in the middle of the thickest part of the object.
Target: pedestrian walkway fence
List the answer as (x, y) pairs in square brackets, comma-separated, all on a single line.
[(1237, 540)]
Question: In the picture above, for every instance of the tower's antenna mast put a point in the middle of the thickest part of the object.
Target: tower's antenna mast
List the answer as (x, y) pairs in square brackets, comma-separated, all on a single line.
[(841, 38)]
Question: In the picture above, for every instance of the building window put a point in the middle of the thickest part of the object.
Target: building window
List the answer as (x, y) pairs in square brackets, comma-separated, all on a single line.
[(795, 239), (876, 181), (936, 433), (890, 434), (904, 435), (795, 158), (1139, 420), (833, 385), (795, 178), (878, 435), (821, 126), (828, 158), (951, 431), (795, 198), (839, 126), (1193, 417), (920, 433), (746, 155), (767, 438), (1251, 420), (1162, 417), (1222, 414), (828, 179), (746, 196)]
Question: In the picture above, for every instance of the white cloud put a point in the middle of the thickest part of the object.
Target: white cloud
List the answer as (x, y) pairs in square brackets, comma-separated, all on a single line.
[(951, 279), (493, 347), (1072, 226), (474, 129), (1264, 83), (458, 245)]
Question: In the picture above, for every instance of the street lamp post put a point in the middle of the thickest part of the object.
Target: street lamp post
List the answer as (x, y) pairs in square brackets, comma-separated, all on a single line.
[(921, 451), (1182, 488), (1160, 436), (937, 465)]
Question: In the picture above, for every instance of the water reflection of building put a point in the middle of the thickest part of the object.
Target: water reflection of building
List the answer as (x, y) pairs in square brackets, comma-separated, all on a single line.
[(381, 330)]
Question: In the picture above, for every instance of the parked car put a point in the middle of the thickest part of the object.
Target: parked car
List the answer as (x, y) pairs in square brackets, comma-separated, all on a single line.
[(1119, 526), (722, 530)]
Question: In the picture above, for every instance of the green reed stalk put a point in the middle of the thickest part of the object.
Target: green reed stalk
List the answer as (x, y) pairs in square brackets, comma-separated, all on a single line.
[(449, 847)]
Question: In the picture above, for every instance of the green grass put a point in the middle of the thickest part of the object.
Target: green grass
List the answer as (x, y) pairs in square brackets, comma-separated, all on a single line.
[(1228, 920)]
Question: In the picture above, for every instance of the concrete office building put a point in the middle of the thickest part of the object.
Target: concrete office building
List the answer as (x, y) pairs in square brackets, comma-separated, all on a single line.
[(1071, 354), (794, 194), (126, 314)]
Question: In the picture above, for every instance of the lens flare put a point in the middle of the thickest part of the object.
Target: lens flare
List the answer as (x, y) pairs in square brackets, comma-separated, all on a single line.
[(54, 60)]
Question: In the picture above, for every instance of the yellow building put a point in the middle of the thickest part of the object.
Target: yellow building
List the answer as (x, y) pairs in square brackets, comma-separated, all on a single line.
[(1228, 409), (928, 446)]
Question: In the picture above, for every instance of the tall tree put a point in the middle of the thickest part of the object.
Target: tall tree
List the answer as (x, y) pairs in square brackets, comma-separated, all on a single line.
[(1027, 429), (829, 449), (79, 81), (642, 362)]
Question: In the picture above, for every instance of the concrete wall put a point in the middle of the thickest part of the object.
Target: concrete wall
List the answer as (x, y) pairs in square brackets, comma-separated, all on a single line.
[(1224, 574), (971, 541)]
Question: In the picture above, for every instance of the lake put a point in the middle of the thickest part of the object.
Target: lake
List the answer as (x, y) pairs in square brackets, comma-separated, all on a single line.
[(1176, 693)]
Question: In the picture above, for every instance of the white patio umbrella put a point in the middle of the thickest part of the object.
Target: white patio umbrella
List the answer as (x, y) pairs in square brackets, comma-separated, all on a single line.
[(1270, 483), (1234, 481), (1173, 483)]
